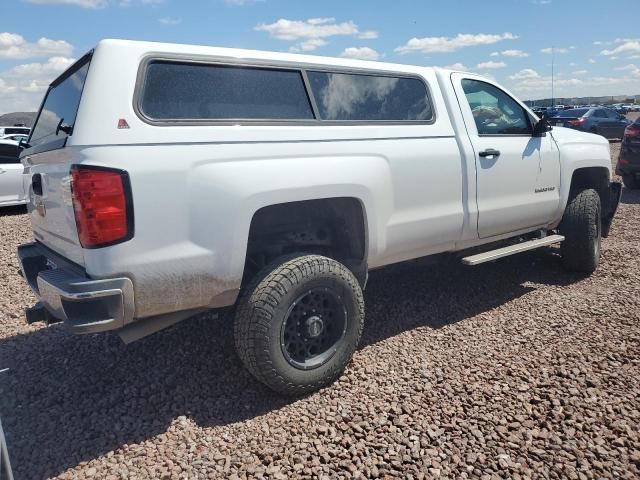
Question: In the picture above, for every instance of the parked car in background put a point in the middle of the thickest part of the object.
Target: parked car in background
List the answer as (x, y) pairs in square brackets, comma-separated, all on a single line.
[(17, 137), (628, 166), (15, 129), (601, 121), (11, 189), (619, 108), (549, 112)]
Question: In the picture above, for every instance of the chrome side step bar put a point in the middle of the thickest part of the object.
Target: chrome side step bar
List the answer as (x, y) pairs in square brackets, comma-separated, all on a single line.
[(511, 250)]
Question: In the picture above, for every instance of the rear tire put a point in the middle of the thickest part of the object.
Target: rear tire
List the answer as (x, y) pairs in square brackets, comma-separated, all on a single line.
[(581, 226), (631, 182), (299, 322)]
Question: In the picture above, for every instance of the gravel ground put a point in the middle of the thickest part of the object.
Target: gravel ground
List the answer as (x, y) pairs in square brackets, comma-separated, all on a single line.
[(507, 370)]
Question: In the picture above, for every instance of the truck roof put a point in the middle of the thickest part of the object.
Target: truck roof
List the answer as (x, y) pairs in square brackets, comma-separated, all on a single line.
[(140, 48)]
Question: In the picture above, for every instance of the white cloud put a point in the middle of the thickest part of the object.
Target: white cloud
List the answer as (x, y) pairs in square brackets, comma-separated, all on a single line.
[(591, 60), (93, 4), (555, 50), (597, 42), (451, 44), (140, 3), (514, 53), (311, 33), (368, 35), (510, 53), (629, 67), (456, 66), (525, 74), (490, 65), (308, 45), (579, 72), (240, 3), (22, 87), (362, 53), (170, 21), (78, 3), (631, 47), (13, 45), (293, 30), (540, 87)]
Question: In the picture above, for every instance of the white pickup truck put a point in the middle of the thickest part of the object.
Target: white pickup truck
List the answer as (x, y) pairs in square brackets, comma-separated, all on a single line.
[(164, 180)]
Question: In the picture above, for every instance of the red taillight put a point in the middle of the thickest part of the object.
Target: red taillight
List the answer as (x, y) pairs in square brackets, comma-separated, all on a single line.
[(622, 161), (631, 131), (577, 122), (102, 205)]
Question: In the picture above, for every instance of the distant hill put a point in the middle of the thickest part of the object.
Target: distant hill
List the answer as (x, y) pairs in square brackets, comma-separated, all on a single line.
[(605, 100), (9, 119)]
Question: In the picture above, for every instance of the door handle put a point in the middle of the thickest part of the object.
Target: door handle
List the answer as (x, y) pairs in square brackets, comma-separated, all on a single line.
[(490, 152)]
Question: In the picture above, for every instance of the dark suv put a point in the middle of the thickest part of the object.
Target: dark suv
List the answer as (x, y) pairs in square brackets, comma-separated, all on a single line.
[(628, 166)]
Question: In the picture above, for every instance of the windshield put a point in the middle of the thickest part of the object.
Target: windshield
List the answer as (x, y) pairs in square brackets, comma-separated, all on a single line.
[(58, 113), (575, 112)]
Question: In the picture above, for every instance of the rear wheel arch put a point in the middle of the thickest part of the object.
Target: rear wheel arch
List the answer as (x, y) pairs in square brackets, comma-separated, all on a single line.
[(335, 227)]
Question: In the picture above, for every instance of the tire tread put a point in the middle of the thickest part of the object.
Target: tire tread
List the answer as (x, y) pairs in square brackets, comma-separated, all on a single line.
[(255, 309), (579, 228)]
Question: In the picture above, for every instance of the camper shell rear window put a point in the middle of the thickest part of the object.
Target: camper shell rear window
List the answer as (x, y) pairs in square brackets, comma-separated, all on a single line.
[(173, 92), (57, 115)]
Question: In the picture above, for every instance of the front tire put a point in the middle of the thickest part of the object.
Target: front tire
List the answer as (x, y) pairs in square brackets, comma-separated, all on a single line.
[(631, 182), (582, 228), (299, 322)]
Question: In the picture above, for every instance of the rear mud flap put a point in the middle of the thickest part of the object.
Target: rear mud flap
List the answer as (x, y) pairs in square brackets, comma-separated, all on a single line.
[(615, 192)]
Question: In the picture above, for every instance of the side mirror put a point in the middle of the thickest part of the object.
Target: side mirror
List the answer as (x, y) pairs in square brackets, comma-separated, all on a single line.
[(541, 128)]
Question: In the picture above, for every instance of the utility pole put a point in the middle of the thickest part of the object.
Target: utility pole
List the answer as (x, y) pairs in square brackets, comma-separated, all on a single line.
[(553, 99)]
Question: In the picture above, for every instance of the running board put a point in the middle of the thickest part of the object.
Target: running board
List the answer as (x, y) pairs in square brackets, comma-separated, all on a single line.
[(511, 250)]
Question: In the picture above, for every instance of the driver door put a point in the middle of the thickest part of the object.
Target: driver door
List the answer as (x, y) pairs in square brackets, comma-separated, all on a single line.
[(517, 174)]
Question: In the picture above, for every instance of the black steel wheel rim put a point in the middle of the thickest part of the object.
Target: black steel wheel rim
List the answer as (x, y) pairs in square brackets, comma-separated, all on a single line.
[(313, 328)]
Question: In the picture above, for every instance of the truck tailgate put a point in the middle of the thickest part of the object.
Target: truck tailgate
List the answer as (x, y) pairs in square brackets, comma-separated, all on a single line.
[(50, 202)]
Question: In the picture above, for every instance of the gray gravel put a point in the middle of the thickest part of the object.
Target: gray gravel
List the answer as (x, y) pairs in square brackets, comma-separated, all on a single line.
[(507, 370)]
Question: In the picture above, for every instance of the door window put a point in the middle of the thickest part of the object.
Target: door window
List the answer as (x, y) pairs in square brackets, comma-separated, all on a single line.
[(600, 114), (9, 153), (495, 112), (613, 115), (356, 97)]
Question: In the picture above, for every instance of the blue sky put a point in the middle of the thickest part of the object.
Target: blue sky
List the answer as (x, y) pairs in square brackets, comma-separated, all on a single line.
[(597, 52)]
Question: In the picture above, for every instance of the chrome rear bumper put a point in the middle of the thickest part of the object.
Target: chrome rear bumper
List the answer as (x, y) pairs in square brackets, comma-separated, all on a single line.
[(68, 294)]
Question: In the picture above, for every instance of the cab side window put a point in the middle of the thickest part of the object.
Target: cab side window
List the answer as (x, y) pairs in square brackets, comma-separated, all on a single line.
[(600, 114), (495, 112)]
